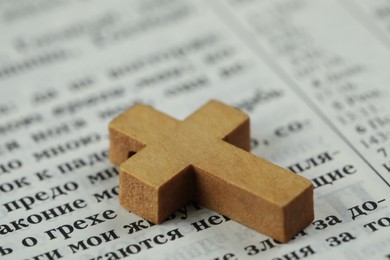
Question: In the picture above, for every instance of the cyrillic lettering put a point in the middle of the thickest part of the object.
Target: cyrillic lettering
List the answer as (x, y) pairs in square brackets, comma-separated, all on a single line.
[(312, 162), (58, 130), (138, 226), (107, 194), (265, 245), (109, 214), (28, 201), (382, 222), (291, 256), (346, 237), (34, 219), (46, 215), (94, 241), (80, 224), (10, 166), (349, 169), (333, 176), (200, 225), (5, 229), (306, 251), (66, 230), (95, 220), (50, 213), (301, 253), (159, 241), (68, 146), (76, 105), (20, 123), (17, 224), (291, 127), (371, 225), (71, 186), (11, 206), (367, 206), (228, 256), (182, 211), (20, 183), (103, 175), (57, 191), (29, 241), (14, 164), (331, 221), (43, 175), (109, 236), (14, 185), (79, 163), (212, 220), (174, 234), (133, 249), (6, 187), (146, 242), (335, 241), (251, 250), (52, 255), (67, 208), (12, 145), (97, 157), (319, 224), (359, 212), (79, 246), (5, 251), (215, 220)]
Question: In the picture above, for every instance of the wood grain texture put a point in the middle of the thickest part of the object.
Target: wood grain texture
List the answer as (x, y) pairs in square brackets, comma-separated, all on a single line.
[(205, 158)]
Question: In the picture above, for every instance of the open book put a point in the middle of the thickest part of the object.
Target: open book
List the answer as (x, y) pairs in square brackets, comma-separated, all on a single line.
[(312, 75)]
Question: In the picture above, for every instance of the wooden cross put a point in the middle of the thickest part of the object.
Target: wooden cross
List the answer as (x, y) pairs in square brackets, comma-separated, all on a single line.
[(205, 158)]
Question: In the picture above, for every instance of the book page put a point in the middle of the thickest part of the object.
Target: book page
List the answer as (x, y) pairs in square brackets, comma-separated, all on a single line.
[(312, 75)]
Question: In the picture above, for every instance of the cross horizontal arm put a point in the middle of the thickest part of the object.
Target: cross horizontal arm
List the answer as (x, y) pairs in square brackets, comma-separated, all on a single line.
[(155, 182), (253, 191), (139, 126)]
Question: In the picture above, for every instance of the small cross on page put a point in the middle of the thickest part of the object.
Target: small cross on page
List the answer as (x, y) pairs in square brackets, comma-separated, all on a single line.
[(166, 163)]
